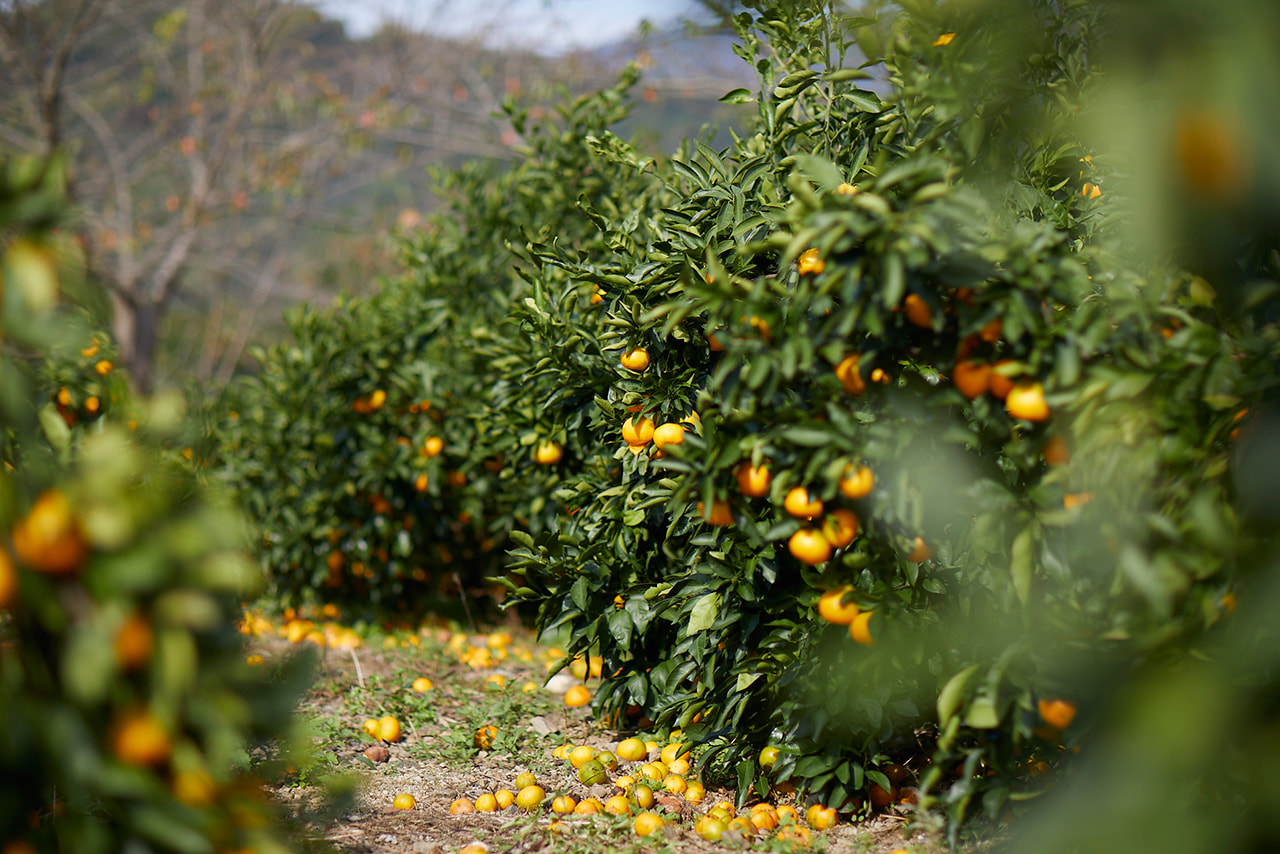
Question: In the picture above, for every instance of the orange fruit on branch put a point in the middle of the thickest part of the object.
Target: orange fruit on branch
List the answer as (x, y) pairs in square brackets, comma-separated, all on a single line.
[(1027, 402), (753, 481), (860, 628), (138, 738), (719, 514), (48, 539), (1001, 381), (972, 379), (1054, 452), (1057, 713), (637, 432), (920, 551), (849, 374), (857, 482), (918, 311), (668, 434), (134, 642), (800, 504), (547, 453), (808, 545), (810, 262), (833, 608), (635, 359), (840, 527)]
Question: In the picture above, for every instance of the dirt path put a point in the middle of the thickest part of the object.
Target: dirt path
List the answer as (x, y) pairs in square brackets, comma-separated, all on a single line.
[(436, 760)]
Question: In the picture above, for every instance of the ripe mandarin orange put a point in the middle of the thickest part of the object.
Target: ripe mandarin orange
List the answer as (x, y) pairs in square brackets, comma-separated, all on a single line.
[(753, 481), (857, 482), (801, 504), (972, 379), (833, 608), (1027, 402), (840, 527), (635, 359), (576, 696), (808, 545)]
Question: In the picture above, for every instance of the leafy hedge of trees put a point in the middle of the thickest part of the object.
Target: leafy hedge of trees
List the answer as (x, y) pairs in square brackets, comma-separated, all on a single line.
[(940, 285)]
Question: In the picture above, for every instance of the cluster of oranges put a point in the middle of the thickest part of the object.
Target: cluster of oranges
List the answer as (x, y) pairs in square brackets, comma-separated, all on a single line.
[(296, 628), (658, 771), (638, 433), (484, 651)]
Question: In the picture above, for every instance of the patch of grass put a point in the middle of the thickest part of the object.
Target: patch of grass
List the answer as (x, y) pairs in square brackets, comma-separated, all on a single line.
[(509, 710)]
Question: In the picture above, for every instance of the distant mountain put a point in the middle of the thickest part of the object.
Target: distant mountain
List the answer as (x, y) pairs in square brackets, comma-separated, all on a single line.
[(675, 57)]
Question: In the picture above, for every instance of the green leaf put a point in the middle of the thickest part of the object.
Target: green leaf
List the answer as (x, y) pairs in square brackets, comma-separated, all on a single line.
[(842, 74), (620, 626), (1020, 563), (982, 714), (819, 170), (865, 101), (737, 96), (704, 613), (578, 592), (954, 693)]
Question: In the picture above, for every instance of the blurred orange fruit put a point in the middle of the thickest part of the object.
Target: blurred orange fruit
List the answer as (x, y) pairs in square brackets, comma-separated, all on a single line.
[(547, 453), (138, 738), (860, 628), (972, 379), (918, 311), (808, 545), (834, 610), (48, 538), (857, 482), (753, 481), (840, 527), (1027, 402), (8, 579), (850, 375), (720, 513), (1057, 713), (134, 642), (801, 504)]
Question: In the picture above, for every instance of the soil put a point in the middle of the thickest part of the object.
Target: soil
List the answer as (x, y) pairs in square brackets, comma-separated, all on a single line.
[(436, 764)]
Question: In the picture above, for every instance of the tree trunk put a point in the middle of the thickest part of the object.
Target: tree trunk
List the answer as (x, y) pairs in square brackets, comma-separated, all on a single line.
[(142, 355)]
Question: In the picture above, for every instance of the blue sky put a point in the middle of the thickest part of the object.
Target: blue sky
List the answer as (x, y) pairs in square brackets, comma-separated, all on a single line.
[(546, 25)]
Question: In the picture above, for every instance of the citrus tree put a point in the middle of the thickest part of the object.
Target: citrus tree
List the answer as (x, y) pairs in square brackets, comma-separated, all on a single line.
[(894, 420), (126, 704), (366, 448)]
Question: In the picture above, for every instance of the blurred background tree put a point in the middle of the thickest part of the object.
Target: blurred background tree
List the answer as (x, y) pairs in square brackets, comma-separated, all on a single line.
[(233, 157)]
